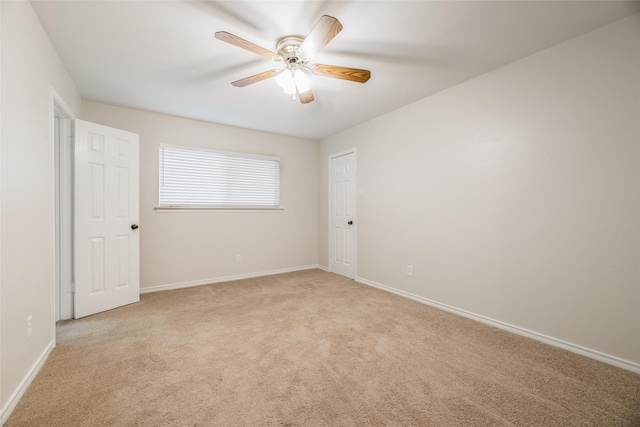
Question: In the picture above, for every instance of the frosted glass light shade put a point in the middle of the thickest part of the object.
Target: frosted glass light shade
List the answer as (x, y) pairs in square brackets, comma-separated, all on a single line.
[(302, 81), (288, 80)]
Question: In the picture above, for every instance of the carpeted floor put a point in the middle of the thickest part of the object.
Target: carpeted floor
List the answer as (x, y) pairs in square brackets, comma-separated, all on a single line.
[(312, 349)]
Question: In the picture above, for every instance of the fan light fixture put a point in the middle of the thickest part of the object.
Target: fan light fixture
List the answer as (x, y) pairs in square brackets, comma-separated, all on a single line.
[(289, 80)]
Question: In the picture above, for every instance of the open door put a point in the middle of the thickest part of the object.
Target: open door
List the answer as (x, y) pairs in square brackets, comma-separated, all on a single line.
[(106, 214)]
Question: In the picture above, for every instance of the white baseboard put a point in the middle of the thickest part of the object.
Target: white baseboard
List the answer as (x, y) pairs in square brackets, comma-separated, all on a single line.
[(593, 354), (323, 268), (8, 408), (225, 279)]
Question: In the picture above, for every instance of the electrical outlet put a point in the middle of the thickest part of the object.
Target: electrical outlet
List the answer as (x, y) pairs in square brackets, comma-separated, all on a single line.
[(238, 258), (29, 326), (410, 270)]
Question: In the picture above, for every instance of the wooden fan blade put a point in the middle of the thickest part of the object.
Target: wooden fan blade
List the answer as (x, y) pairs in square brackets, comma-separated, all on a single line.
[(244, 44), (323, 32), (306, 97), (255, 78), (344, 73)]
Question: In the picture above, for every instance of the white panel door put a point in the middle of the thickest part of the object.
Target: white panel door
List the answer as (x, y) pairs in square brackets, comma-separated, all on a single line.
[(342, 214), (107, 273)]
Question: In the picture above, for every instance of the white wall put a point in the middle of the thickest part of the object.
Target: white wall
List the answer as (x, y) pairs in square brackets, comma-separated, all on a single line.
[(515, 195), (1, 400), (184, 247), (30, 66)]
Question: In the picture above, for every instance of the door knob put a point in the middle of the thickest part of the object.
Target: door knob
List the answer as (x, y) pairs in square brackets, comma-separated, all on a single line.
[(350, 222), (134, 226)]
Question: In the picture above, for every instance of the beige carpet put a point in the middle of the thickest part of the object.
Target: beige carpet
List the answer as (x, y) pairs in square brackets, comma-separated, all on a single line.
[(312, 349)]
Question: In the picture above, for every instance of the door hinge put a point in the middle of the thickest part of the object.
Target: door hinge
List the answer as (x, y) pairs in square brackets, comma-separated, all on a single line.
[(72, 141), (72, 288)]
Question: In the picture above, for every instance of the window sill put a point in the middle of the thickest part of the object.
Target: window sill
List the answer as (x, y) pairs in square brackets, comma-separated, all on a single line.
[(175, 209)]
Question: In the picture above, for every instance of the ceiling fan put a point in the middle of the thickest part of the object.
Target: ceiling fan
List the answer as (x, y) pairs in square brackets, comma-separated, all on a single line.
[(296, 53)]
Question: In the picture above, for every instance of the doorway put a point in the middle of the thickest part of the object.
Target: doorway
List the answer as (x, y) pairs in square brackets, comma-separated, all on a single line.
[(342, 213)]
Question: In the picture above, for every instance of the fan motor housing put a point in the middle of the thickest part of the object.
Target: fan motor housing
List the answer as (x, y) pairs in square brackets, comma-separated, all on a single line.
[(287, 47)]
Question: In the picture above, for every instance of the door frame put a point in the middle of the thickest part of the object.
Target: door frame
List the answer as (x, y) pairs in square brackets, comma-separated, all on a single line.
[(353, 151), (61, 207)]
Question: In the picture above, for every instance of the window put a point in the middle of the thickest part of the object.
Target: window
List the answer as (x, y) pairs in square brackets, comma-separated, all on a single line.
[(201, 178)]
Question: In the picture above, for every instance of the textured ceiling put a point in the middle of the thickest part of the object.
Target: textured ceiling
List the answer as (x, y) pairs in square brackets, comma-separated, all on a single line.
[(162, 55)]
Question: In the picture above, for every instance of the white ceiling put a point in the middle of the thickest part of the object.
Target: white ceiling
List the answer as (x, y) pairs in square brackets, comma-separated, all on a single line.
[(162, 55)]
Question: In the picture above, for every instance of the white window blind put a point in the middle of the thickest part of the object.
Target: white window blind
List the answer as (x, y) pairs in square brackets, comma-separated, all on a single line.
[(196, 177)]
